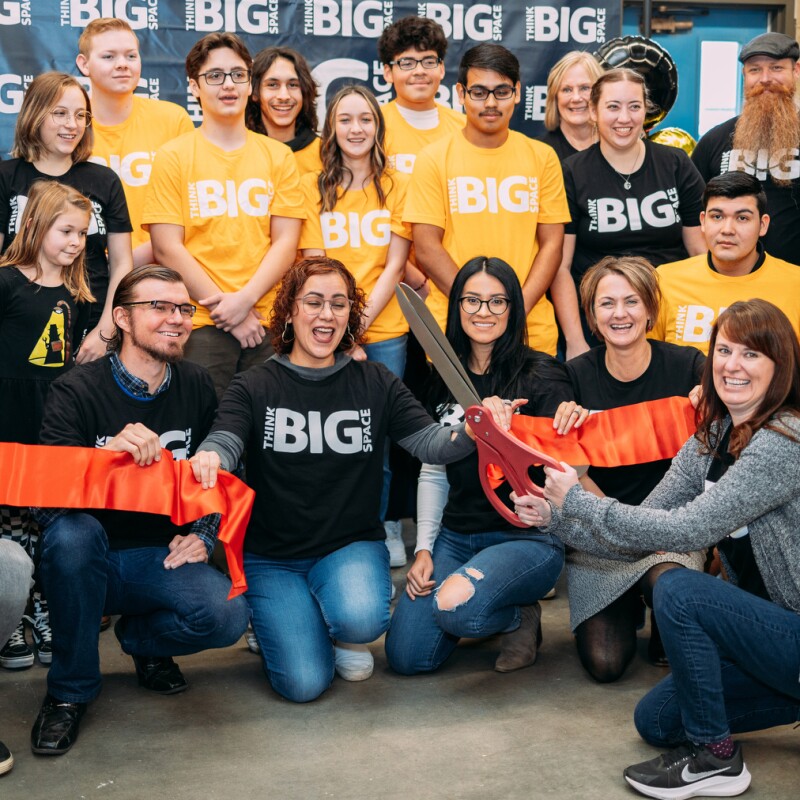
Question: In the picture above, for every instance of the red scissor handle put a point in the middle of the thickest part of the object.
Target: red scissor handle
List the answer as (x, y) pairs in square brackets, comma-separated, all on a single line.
[(502, 449)]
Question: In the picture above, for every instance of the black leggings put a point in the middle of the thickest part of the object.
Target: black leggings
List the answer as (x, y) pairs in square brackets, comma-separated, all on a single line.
[(607, 641)]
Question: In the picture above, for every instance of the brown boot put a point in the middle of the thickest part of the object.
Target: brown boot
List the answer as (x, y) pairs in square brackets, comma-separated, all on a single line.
[(519, 648)]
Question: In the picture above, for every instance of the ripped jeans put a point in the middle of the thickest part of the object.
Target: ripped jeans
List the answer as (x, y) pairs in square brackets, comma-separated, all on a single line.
[(506, 570)]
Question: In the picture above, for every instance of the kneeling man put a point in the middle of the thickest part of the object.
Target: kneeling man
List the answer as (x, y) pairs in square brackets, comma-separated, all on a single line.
[(138, 399)]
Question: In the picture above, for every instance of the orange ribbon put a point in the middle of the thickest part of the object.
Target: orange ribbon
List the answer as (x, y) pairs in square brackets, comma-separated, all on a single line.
[(31, 475), (618, 437)]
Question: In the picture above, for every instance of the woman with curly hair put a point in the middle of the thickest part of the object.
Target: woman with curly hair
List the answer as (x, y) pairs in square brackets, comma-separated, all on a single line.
[(314, 422)]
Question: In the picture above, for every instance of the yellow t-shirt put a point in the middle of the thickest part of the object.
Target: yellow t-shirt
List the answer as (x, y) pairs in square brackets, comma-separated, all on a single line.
[(224, 200), (404, 142), (308, 159), (130, 147), (357, 233), (489, 201), (694, 295)]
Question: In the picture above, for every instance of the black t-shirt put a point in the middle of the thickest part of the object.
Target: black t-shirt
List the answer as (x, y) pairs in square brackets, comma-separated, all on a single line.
[(87, 408), (40, 327), (736, 547), (545, 384), (714, 155), (647, 220), (559, 143), (673, 371), (315, 452), (100, 184)]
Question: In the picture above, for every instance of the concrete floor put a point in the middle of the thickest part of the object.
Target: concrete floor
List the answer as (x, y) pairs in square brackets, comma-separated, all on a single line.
[(465, 732)]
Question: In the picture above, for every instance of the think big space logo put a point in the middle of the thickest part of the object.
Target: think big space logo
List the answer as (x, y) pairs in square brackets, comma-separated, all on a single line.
[(583, 25), (349, 18), (12, 88), (15, 12), (233, 16), (480, 22), (139, 14)]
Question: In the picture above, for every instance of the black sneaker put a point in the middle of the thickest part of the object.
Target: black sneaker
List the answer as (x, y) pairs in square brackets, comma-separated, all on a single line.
[(16, 652), (690, 771), (40, 628), (6, 759)]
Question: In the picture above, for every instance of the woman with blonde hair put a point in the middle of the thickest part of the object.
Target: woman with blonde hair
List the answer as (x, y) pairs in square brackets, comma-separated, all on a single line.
[(621, 299), (566, 112)]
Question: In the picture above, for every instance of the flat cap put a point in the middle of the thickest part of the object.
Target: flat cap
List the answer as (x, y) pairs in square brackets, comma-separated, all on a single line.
[(774, 45)]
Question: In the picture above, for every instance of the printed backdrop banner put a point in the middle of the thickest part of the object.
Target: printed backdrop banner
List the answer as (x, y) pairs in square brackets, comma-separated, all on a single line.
[(338, 37)]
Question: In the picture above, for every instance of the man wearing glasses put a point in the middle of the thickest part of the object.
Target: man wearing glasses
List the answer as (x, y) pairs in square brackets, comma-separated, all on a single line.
[(412, 51), (488, 190), (139, 399), (224, 209)]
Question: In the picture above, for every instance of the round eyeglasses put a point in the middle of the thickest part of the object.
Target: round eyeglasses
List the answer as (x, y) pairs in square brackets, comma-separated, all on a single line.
[(314, 304), (61, 116), (472, 305)]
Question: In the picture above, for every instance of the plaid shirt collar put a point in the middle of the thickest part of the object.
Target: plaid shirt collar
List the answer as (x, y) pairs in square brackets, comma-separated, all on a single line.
[(133, 386)]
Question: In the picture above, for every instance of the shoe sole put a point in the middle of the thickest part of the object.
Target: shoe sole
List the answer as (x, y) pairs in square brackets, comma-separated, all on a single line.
[(45, 659), (354, 677), (718, 786), (176, 690), (49, 751), (17, 662), (5, 766)]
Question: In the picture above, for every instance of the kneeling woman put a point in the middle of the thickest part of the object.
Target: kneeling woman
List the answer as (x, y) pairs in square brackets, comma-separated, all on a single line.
[(733, 646), (314, 423), (490, 575)]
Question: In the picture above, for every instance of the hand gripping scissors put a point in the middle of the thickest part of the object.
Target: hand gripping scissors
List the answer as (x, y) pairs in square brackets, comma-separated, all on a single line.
[(495, 446)]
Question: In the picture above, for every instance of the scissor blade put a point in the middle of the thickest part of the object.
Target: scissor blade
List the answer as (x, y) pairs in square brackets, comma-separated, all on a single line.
[(435, 344)]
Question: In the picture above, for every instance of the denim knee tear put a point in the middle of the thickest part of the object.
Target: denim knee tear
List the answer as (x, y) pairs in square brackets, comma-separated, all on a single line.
[(457, 592)]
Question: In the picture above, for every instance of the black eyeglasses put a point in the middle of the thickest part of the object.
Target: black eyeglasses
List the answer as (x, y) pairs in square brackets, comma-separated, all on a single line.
[(501, 92), (472, 305), (216, 77), (165, 308), (429, 62)]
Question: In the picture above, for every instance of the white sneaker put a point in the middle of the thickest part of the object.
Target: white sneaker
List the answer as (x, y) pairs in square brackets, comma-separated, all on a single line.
[(353, 662), (252, 642), (394, 543)]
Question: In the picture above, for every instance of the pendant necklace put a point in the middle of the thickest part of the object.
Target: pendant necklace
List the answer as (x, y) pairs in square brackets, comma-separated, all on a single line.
[(626, 179)]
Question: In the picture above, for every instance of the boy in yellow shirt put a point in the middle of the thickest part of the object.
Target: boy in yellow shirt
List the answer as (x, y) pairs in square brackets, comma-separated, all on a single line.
[(412, 52), (224, 209), (488, 190), (128, 129), (696, 290)]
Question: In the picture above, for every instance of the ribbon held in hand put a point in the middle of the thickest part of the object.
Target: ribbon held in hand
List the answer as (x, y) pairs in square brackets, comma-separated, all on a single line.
[(619, 437), (107, 480)]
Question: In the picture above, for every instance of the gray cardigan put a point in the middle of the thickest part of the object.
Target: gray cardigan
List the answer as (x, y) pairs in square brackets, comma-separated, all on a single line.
[(760, 490)]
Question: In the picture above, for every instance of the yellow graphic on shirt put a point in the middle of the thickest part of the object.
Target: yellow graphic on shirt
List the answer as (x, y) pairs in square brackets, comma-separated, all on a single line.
[(50, 350)]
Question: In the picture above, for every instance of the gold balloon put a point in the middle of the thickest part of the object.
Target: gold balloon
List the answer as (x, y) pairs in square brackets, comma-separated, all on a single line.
[(675, 137)]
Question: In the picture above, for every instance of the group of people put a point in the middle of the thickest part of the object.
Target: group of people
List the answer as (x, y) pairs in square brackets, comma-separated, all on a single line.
[(233, 302)]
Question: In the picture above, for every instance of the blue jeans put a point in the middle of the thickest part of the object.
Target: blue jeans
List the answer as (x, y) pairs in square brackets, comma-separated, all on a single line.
[(299, 605), (735, 661), (392, 354), (166, 612), (518, 569)]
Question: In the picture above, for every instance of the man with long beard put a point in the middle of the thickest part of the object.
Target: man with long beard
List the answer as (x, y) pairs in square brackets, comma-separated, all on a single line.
[(765, 139)]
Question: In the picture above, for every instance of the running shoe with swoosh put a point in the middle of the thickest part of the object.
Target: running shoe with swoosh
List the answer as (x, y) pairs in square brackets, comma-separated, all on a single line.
[(690, 771)]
